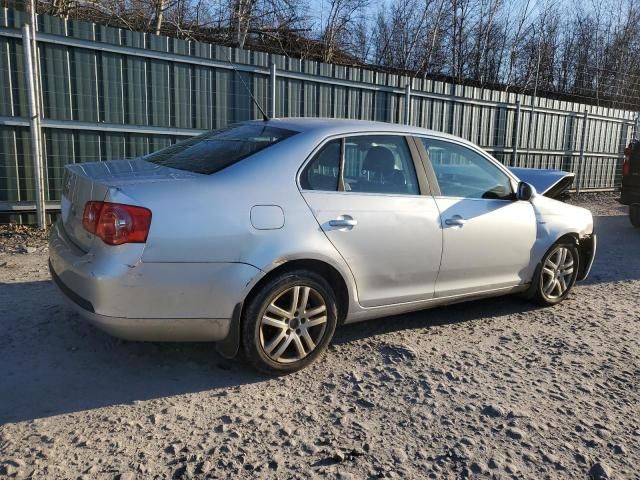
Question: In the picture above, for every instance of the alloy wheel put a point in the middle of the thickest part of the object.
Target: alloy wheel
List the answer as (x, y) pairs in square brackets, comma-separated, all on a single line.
[(293, 324), (557, 273)]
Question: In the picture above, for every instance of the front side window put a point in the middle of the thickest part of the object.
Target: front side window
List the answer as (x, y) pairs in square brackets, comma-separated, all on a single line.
[(461, 172), (212, 151)]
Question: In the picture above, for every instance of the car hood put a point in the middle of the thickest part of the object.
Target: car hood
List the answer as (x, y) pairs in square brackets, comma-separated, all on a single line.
[(550, 183)]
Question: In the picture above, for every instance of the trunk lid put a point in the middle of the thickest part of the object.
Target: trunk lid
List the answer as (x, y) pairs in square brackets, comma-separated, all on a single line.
[(93, 181)]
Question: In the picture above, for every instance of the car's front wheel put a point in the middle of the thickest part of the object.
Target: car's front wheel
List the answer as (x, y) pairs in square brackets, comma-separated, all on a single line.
[(289, 322), (556, 274)]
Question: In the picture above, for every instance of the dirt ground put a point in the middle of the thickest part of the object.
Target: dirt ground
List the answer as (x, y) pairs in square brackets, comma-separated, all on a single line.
[(496, 388)]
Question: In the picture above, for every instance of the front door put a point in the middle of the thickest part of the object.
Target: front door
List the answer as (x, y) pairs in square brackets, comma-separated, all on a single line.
[(488, 235), (366, 196)]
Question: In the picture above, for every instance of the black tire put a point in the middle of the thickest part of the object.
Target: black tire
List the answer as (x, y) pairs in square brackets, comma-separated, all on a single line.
[(281, 288), (542, 279), (634, 215)]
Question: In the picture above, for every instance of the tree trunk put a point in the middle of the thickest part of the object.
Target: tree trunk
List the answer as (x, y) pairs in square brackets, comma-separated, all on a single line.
[(160, 4)]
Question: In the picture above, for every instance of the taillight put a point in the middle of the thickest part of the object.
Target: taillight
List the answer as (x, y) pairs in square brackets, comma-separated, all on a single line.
[(116, 223), (90, 216)]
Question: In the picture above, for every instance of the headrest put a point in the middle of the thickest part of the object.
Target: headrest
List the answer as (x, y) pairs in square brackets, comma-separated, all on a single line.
[(379, 159)]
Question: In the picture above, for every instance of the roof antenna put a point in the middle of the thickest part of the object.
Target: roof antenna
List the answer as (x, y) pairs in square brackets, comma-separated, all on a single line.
[(265, 117)]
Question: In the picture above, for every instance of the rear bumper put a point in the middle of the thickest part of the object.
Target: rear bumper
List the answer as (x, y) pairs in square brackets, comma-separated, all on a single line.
[(146, 329), (113, 290)]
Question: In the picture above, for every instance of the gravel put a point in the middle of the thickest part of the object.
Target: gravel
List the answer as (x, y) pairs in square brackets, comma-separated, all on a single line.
[(496, 388), (22, 239)]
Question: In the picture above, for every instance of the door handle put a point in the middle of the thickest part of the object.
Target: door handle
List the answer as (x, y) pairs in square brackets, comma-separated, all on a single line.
[(456, 221), (344, 221)]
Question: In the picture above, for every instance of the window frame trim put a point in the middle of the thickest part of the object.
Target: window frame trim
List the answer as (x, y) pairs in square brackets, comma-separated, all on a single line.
[(424, 185), (432, 173), (343, 146)]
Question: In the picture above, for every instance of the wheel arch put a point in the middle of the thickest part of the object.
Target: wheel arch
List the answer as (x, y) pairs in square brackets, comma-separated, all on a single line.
[(585, 247), (572, 237), (229, 347), (321, 267)]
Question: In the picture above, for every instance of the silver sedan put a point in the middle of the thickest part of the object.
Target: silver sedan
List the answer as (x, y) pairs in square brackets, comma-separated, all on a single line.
[(265, 236)]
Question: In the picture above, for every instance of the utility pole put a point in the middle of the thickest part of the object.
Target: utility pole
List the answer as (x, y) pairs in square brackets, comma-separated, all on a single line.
[(273, 75), (583, 139), (407, 104), (515, 136), (32, 72)]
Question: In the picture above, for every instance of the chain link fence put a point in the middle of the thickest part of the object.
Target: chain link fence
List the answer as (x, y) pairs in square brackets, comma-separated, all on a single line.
[(108, 93)]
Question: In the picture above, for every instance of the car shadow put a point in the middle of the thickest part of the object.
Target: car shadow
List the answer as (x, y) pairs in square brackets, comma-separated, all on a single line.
[(475, 311), (617, 250), (53, 363)]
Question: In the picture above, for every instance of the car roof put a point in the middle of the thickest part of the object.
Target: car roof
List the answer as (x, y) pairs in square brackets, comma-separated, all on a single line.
[(327, 127), (337, 126)]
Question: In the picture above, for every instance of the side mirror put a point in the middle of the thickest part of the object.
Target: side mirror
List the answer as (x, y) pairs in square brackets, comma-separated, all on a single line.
[(526, 191)]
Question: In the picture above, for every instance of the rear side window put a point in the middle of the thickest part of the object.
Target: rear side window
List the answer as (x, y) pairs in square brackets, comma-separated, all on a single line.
[(212, 151), (323, 170), (379, 164), (372, 164)]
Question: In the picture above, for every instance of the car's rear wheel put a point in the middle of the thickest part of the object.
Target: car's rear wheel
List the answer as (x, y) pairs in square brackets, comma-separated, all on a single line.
[(289, 322), (556, 274), (634, 214)]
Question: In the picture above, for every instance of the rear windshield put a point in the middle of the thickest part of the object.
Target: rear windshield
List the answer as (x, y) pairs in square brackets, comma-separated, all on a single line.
[(212, 151)]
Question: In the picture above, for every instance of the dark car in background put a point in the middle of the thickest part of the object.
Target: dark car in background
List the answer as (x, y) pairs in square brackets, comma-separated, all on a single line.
[(630, 192), (634, 214)]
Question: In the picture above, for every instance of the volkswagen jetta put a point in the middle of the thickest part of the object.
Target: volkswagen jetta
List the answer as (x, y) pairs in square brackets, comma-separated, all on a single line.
[(266, 235)]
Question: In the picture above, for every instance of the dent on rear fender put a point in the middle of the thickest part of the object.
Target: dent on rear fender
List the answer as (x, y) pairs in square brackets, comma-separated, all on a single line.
[(176, 290)]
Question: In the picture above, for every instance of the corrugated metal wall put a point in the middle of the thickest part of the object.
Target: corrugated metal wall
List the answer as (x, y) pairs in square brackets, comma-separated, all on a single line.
[(109, 93)]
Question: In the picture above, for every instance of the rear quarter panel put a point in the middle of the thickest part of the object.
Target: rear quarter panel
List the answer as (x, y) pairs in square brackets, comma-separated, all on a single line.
[(208, 219)]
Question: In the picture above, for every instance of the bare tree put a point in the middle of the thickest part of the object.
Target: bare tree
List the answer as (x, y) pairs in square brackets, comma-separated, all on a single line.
[(433, 37), (515, 42), (243, 14), (485, 34), (159, 12), (590, 50), (334, 28), (407, 34)]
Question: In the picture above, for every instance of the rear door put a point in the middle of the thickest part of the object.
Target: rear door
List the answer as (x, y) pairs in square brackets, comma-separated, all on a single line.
[(370, 196), (488, 235)]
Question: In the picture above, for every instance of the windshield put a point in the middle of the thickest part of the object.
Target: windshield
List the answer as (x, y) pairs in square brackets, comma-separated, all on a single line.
[(212, 151)]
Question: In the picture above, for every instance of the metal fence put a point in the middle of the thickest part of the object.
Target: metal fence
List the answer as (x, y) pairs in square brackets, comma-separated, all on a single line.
[(108, 93)]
